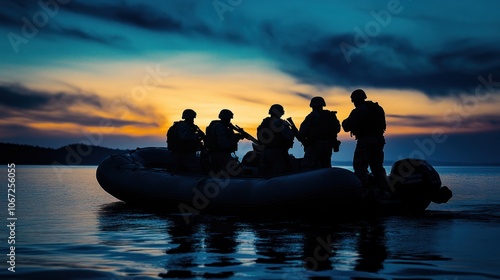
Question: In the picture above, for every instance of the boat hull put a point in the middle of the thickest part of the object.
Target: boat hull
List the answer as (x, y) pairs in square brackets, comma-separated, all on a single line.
[(144, 177), (129, 178)]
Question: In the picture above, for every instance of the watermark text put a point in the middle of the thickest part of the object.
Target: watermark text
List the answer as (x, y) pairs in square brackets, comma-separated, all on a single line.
[(11, 219)]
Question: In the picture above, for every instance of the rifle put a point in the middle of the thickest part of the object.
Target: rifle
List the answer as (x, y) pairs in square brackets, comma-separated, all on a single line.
[(245, 134), (200, 135), (296, 131)]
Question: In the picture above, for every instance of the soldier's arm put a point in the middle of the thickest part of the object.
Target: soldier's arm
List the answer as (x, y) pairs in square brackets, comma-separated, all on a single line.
[(287, 131), (336, 121), (348, 124), (355, 118), (259, 134), (305, 126)]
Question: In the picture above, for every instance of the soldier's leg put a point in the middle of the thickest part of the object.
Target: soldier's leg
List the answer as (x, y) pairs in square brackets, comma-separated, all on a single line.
[(179, 164), (311, 160), (360, 161), (191, 162), (217, 161), (264, 164), (325, 154), (231, 165), (376, 161), (275, 161)]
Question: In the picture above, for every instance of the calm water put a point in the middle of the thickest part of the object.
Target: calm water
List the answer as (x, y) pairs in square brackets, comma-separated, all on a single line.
[(72, 229)]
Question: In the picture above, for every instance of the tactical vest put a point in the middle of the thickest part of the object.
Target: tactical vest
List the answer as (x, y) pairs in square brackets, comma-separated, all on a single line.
[(272, 137), (175, 144), (373, 122), (326, 128), (211, 141)]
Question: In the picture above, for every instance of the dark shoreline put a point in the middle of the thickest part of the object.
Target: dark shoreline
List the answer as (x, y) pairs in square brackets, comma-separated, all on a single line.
[(81, 154), (74, 154)]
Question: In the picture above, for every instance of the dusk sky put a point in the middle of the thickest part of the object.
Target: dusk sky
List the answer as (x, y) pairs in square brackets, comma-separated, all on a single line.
[(118, 73)]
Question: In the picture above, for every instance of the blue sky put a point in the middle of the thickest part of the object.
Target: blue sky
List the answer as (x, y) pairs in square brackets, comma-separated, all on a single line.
[(118, 73)]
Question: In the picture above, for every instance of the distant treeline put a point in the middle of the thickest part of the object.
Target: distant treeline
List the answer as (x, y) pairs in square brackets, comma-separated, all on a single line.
[(74, 154), (80, 154)]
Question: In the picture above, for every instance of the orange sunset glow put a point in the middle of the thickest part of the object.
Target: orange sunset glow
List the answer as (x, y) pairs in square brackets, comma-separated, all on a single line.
[(125, 80)]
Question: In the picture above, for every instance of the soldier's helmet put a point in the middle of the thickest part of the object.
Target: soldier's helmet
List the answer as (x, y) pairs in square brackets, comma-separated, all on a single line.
[(225, 114), (188, 114), (276, 110), (358, 95), (317, 101)]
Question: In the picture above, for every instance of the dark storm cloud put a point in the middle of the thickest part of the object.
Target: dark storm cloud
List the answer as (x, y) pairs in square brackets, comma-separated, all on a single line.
[(85, 120), (7, 20), (248, 99), (416, 121), (15, 15), (141, 16), (318, 55), (489, 122), (18, 7), (10, 130), (393, 63), (306, 96), (168, 17), (109, 40), (21, 102), (481, 122), (409, 117), (138, 15), (19, 97)]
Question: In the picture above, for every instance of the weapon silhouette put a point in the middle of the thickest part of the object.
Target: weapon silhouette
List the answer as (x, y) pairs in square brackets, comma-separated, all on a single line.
[(245, 134), (296, 131)]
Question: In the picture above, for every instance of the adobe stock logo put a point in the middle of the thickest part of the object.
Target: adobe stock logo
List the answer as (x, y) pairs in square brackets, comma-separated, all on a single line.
[(373, 28), (223, 6), (31, 27)]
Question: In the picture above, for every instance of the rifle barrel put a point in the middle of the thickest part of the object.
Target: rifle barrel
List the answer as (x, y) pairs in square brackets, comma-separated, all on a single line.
[(295, 130), (245, 134)]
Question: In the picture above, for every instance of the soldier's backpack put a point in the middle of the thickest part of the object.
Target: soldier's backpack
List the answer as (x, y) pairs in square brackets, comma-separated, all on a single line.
[(376, 117), (328, 126), (332, 123), (173, 141)]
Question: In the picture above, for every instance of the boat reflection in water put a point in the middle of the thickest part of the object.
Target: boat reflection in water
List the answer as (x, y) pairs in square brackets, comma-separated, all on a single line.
[(225, 246)]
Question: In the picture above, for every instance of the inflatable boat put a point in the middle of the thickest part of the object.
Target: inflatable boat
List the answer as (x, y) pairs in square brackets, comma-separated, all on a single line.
[(147, 177)]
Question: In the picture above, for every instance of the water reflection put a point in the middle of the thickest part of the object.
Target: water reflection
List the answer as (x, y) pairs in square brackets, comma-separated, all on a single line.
[(371, 246), (224, 246), (186, 241)]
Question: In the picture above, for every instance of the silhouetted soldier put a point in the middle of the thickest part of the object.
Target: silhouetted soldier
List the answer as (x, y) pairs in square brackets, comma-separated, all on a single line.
[(277, 137), (367, 123), (184, 139), (221, 142), (319, 135)]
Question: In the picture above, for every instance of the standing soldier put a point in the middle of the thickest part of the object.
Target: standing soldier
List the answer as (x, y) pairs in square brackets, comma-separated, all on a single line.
[(277, 137), (221, 142), (319, 135), (367, 123), (184, 139)]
